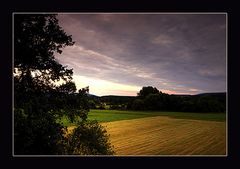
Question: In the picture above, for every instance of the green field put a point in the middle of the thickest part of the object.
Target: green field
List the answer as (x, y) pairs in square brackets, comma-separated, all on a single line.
[(162, 133), (116, 115)]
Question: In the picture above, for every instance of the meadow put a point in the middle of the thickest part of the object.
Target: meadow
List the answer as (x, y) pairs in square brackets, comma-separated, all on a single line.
[(117, 115), (162, 133)]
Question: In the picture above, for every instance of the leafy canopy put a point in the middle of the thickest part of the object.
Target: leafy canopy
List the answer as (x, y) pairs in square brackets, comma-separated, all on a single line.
[(39, 102)]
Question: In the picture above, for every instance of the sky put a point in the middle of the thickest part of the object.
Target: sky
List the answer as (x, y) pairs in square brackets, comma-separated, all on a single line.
[(118, 54)]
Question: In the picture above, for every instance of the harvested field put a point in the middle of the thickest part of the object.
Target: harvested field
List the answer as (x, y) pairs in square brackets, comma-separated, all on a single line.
[(163, 135)]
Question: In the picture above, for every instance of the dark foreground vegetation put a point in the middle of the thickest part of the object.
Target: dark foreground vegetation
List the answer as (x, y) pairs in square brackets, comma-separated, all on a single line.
[(150, 98), (39, 102)]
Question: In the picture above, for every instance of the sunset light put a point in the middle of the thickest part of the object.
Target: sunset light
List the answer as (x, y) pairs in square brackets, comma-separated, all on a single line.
[(117, 54)]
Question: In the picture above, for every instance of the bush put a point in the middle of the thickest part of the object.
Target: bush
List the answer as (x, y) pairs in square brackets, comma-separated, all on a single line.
[(89, 138)]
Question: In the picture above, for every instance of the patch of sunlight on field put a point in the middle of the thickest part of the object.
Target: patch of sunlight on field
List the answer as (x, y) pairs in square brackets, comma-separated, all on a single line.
[(167, 136)]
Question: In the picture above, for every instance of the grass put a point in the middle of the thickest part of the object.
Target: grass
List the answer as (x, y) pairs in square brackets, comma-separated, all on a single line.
[(162, 135), (117, 115)]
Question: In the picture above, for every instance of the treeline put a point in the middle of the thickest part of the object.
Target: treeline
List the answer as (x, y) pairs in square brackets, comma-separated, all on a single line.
[(110, 102), (150, 98)]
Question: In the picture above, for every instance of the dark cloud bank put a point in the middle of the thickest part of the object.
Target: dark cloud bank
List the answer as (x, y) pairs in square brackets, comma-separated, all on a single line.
[(182, 53)]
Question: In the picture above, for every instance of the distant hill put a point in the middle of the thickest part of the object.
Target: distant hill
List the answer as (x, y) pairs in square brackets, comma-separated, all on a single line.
[(212, 94), (114, 99), (93, 96), (118, 97), (110, 96), (220, 96), (203, 94), (217, 94)]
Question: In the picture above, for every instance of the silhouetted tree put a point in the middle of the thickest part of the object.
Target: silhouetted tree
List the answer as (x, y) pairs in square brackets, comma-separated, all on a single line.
[(147, 90), (153, 102), (38, 101)]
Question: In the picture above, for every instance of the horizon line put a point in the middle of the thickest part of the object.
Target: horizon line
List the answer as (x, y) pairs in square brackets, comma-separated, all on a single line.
[(162, 92)]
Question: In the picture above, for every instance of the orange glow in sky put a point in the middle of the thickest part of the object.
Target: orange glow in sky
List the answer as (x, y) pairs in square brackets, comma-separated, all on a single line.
[(102, 87)]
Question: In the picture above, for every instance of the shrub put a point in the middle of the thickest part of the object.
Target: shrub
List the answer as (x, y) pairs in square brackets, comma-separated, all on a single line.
[(89, 138)]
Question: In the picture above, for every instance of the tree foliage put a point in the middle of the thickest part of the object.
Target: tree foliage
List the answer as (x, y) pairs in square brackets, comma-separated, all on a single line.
[(138, 104), (145, 91), (36, 38), (150, 98), (38, 100)]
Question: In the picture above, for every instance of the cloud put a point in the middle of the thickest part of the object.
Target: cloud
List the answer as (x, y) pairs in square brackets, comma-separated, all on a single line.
[(194, 90), (162, 39), (175, 53), (214, 72)]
